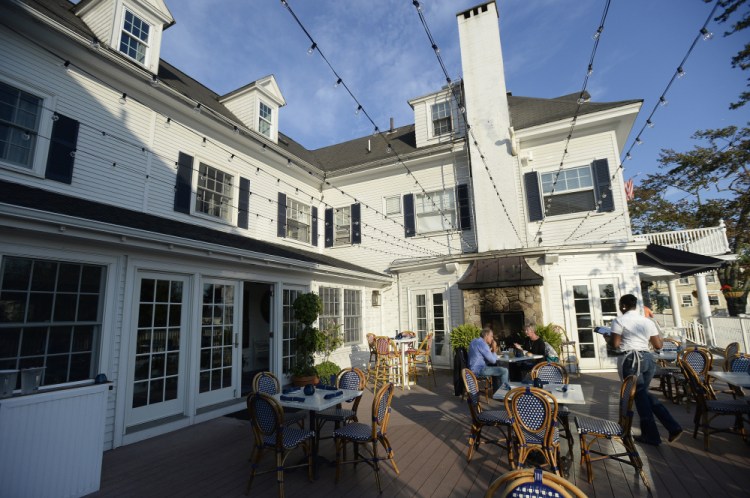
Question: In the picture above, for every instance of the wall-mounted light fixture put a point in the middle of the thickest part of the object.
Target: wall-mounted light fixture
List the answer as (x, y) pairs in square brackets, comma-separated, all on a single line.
[(376, 298)]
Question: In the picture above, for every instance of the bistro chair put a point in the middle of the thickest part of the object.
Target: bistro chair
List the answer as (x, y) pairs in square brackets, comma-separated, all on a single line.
[(349, 378), (592, 429), (732, 349), (386, 363), (699, 359), (555, 373), (485, 418), (422, 357), (533, 414), (740, 362), (271, 433), (708, 408), (533, 483), (362, 434), (268, 383), (671, 380), (568, 352), (372, 361)]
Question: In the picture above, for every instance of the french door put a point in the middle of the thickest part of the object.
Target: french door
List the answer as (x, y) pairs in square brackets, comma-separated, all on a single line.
[(429, 315), (592, 303), (157, 380)]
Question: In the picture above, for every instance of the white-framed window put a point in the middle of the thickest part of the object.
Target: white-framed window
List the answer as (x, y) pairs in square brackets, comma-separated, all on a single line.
[(213, 195), (352, 316), (441, 118), (713, 299), (342, 226), (298, 220), (435, 211), (134, 37), (21, 124), (265, 119), (711, 278), (392, 205), (568, 191), (51, 316), (348, 316), (686, 300), (684, 280)]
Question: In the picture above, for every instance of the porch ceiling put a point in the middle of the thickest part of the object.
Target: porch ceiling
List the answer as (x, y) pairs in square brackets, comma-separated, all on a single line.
[(511, 271)]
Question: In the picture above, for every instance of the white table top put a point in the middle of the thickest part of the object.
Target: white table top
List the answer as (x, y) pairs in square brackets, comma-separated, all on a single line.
[(573, 396), (672, 356), (405, 340), (512, 357), (317, 401), (741, 379)]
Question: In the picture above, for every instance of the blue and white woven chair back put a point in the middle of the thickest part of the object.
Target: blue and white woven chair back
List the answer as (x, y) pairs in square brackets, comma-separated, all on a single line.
[(740, 363), (670, 346), (472, 389), (532, 412), (264, 414), (697, 359), (382, 407), (266, 383), (349, 379), (551, 372)]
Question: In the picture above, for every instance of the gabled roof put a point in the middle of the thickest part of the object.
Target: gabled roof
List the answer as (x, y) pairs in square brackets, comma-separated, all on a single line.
[(526, 112), (43, 200)]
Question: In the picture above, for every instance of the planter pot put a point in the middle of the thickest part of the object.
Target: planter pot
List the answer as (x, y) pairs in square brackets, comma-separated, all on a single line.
[(734, 294), (303, 381)]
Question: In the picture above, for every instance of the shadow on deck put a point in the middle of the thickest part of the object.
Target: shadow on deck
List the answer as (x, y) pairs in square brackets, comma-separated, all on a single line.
[(429, 431)]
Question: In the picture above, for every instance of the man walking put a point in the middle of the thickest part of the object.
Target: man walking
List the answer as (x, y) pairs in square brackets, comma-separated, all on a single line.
[(633, 333)]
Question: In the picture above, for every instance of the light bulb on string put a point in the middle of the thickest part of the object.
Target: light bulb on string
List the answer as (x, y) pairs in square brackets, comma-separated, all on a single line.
[(67, 67), (598, 33), (168, 122), (338, 82), (359, 109), (154, 81), (435, 48), (649, 123), (197, 108), (680, 72), (663, 101), (312, 48), (236, 130), (638, 140), (590, 70), (203, 144), (124, 98), (707, 35)]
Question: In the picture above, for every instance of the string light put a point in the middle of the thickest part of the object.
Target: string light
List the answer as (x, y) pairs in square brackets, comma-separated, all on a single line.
[(66, 65), (197, 108), (338, 82), (358, 110), (312, 48), (638, 141), (95, 42), (707, 35), (124, 98), (662, 101), (236, 130), (203, 144), (168, 122), (154, 81), (680, 72)]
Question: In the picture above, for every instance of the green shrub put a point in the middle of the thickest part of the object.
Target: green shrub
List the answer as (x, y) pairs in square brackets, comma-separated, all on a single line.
[(325, 370), (550, 335), (462, 335)]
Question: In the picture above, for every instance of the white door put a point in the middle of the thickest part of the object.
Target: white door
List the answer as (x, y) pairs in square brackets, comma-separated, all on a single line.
[(156, 377), (429, 315), (219, 364), (592, 303)]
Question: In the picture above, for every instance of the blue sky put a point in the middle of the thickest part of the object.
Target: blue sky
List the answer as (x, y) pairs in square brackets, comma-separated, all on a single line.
[(383, 55)]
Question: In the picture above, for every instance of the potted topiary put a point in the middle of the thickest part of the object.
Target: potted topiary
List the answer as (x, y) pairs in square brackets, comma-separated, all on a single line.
[(332, 340), (310, 340)]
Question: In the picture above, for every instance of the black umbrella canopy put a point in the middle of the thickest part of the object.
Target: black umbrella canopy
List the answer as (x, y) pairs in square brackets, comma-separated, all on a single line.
[(681, 263)]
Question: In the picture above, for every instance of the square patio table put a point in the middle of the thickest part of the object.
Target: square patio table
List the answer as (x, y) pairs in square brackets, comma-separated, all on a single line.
[(741, 379), (315, 403)]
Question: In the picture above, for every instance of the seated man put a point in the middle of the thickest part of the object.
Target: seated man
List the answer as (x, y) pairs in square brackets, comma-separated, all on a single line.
[(482, 359)]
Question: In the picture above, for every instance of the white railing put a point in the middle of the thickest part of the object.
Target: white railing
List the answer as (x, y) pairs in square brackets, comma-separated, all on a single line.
[(711, 241), (730, 329)]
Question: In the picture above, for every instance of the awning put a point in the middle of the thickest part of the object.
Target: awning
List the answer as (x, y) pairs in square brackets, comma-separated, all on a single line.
[(511, 271), (681, 263)]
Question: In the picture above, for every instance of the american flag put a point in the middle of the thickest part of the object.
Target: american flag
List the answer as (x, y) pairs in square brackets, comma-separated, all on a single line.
[(629, 190)]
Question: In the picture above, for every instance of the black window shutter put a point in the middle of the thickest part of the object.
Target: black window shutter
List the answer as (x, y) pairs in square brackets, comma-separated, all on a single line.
[(62, 147), (243, 216), (533, 196), (314, 212), (356, 224), (464, 209), (281, 216), (410, 228), (184, 185), (603, 186), (328, 228)]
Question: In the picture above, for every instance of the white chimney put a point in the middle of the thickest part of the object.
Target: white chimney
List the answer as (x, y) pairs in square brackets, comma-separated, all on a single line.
[(489, 118)]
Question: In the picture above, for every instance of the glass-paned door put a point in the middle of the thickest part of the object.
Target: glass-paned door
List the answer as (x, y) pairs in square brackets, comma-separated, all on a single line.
[(219, 344), (430, 315), (157, 377), (592, 303), (289, 328)]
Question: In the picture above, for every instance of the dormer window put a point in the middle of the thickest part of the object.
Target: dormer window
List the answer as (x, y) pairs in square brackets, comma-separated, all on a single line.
[(134, 37), (265, 120), (441, 119)]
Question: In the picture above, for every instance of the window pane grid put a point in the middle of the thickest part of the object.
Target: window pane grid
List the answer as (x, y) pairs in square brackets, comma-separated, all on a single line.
[(290, 326), (134, 37), (40, 325), (217, 337), (441, 118), (214, 195), (265, 120), (435, 211), (342, 226), (352, 316), (19, 124), (298, 220)]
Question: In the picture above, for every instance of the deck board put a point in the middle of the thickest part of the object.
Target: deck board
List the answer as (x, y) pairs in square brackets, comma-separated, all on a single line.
[(429, 430)]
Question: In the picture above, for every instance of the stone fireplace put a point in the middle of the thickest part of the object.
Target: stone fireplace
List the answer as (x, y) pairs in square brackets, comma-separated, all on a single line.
[(504, 308)]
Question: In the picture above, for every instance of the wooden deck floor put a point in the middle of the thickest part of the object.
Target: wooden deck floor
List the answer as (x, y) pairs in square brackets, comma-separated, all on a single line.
[(429, 430)]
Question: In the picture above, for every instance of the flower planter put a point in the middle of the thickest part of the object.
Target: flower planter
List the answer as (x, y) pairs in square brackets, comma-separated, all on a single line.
[(734, 294)]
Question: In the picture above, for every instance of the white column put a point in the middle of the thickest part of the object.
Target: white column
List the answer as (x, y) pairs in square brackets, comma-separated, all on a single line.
[(674, 302), (704, 307)]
